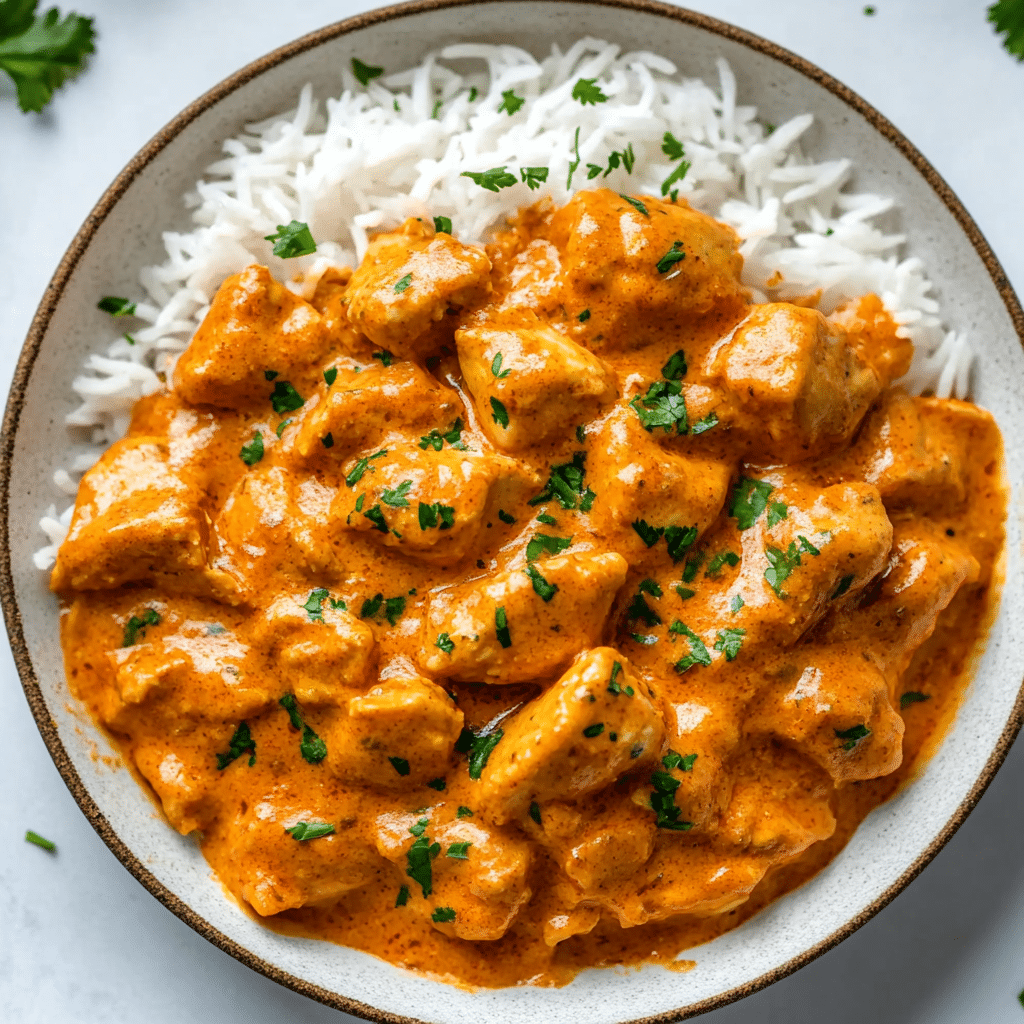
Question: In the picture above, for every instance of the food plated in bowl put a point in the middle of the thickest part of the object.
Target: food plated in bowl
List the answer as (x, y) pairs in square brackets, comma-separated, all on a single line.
[(637, 406)]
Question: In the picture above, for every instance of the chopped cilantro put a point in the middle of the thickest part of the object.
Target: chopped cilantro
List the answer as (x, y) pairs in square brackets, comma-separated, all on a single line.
[(676, 176), (403, 896), (640, 610), (400, 765), (445, 643), (544, 590), (673, 760), (253, 451), (499, 413), (736, 604), (241, 743), (396, 496), (663, 406), (672, 147), (281, 426), (698, 655), (912, 697), (510, 102), (501, 627), (364, 72), (663, 802), (679, 540), (541, 543), (574, 163), (137, 625), (493, 180), (584, 316), (330, 375), (314, 604), (646, 640), (505, 517), (403, 284), (438, 784), (285, 398), (457, 851), (692, 566), (587, 500), (496, 370), (675, 368), (729, 642), (844, 586), (547, 520), (443, 224), (749, 500), (671, 258), (385, 357), (310, 830), (777, 511), (312, 748), (636, 204), (806, 546), (685, 593), (442, 915), (418, 858), (614, 686), (115, 306), (625, 157), (594, 730), (478, 747), (853, 735), (357, 471), (464, 812), (437, 109), (650, 535), (649, 586), (376, 516), (291, 240), (428, 515), (586, 90), (371, 606), (535, 811), (705, 423), (533, 176), (782, 563), (716, 563), (394, 608), (564, 483), (328, 441)]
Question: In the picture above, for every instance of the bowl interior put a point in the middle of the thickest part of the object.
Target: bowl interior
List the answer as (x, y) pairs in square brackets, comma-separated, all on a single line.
[(891, 845)]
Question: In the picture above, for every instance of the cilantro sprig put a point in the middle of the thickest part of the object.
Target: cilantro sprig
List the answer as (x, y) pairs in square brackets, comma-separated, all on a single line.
[(586, 90), (479, 747), (1007, 17), (312, 748), (291, 240), (241, 743), (493, 180)]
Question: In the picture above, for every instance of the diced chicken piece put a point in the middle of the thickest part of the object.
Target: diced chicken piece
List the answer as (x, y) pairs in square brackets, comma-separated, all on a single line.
[(596, 723), (478, 871), (503, 630), (832, 704), (399, 735), (873, 333), (184, 780), (407, 282), (134, 520), (319, 652), (270, 524), (329, 301), (545, 383), (636, 479), (623, 266), (273, 871), (360, 409), (795, 376), (254, 325), (432, 505), (189, 676), (889, 621)]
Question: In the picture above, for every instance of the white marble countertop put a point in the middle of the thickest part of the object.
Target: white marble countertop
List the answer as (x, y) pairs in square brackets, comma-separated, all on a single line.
[(80, 940)]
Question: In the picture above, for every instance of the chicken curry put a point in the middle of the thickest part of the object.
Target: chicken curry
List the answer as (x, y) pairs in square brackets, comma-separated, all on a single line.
[(508, 610)]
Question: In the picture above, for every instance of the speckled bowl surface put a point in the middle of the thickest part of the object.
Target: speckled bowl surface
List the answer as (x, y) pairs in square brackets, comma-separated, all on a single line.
[(123, 233)]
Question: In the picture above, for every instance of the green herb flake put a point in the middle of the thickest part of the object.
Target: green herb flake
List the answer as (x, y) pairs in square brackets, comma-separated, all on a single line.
[(844, 586), (400, 764), (640, 610), (312, 748), (403, 284), (394, 608), (253, 451), (36, 839), (671, 258), (685, 593), (533, 176), (673, 760), (241, 743), (736, 603), (853, 735), (912, 697), (698, 655), (285, 398), (663, 802), (136, 626), (281, 426), (510, 102), (546, 519), (535, 812), (544, 590), (330, 375), (364, 72), (723, 557), (445, 643), (565, 484), (493, 180), (464, 812), (443, 224), (679, 540), (650, 535), (729, 642), (749, 499), (501, 627), (457, 851), (663, 406), (305, 830), (291, 240), (328, 441), (594, 730), (692, 566), (499, 414), (636, 204), (586, 90), (646, 640), (376, 516), (403, 896), (672, 147), (675, 368), (584, 316), (705, 423), (442, 915), (478, 747), (384, 356), (574, 163), (677, 175), (505, 517), (114, 305), (496, 370), (314, 604), (439, 784), (541, 543), (419, 857), (396, 497), (777, 511)]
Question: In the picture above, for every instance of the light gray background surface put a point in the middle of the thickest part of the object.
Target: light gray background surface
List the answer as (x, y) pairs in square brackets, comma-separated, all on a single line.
[(80, 940)]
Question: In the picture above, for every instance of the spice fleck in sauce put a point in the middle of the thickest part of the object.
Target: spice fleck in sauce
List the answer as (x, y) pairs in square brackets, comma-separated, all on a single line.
[(504, 612)]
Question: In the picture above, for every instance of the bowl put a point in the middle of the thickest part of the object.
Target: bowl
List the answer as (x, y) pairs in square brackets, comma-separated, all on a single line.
[(123, 232)]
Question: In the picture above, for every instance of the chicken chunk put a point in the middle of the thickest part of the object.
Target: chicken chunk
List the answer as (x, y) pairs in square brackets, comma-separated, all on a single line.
[(407, 282), (622, 264), (134, 520), (319, 652), (521, 624), (184, 780), (329, 300), (399, 735), (797, 378), (361, 409), (476, 876), (432, 506), (531, 382), (597, 722), (254, 325)]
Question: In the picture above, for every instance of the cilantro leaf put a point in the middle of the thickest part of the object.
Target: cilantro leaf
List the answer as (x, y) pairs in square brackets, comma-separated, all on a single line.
[(679, 540), (692, 566), (564, 484), (499, 413), (650, 535), (1008, 18), (912, 697), (253, 451), (640, 609), (418, 859), (442, 915), (314, 604), (671, 258), (584, 316), (542, 542), (675, 177), (672, 147), (663, 406), (285, 398), (594, 730), (136, 625), (535, 812), (376, 516), (844, 586), (310, 830), (394, 609), (403, 284), (853, 735), (445, 643), (685, 593), (371, 606), (357, 471), (496, 370), (510, 102), (439, 784), (716, 563), (705, 423), (636, 204), (673, 760), (626, 157), (403, 896), (573, 164), (501, 627), (544, 590), (327, 442), (533, 176), (506, 517), (547, 520), (698, 655), (312, 748), (364, 72), (291, 240), (464, 812), (479, 748), (443, 224), (749, 500), (385, 357), (396, 496), (330, 375), (493, 180), (663, 802), (41, 53), (736, 604), (675, 368), (115, 306), (241, 743), (586, 90), (284, 423), (729, 642), (457, 851), (777, 511), (435, 439), (400, 765)]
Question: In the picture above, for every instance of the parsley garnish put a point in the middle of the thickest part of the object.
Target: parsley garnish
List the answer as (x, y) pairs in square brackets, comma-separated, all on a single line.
[(312, 748), (403, 896), (533, 176), (586, 90), (547, 520), (705, 423), (594, 730), (664, 406), (438, 784), (784, 562), (650, 535), (685, 593), (310, 830), (716, 563), (330, 375), (736, 604), (647, 641), (291, 240), (675, 368), (253, 451), (357, 471), (749, 500), (501, 627), (479, 748), (499, 414), (428, 515), (281, 426), (663, 802), (41, 53), (241, 743), (493, 180), (505, 517), (445, 643), (672, 147), (673, 760), (636, 204), (614, 686), (564, 484), (912, 697), (853, 735), (364, 72), (400, 765), (729, 642), (394, 608), (640, 609), (693, 566), (844, 586), (625, 156), (510, 102), (314, 604), (544, 590), (777, 511), (385, 357), (584, 316), (396, 496), (136, 625), (435, 439), (535, 811), (376, 516), (671, 258), (541, 542), (464, 812), (676, 176), (457, 851), (442, 915), (38, 840), (285, 398), (574, 163), (116, 307), (419, 857), (328, 441), (443, 224), (679, 540), (496, 370), (698, 655), (403, 284)]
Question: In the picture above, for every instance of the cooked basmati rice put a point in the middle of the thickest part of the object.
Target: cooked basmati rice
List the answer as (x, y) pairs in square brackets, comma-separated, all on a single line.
[(398, 147)]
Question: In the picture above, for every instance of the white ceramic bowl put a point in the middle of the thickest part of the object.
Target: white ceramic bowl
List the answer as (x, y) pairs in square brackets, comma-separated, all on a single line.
[(123, 233)]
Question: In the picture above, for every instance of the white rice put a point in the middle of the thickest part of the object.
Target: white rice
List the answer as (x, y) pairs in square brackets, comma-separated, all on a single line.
[(399, 146)]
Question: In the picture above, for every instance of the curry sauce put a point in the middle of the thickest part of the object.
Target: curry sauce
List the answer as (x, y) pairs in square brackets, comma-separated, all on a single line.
[(504, 611)]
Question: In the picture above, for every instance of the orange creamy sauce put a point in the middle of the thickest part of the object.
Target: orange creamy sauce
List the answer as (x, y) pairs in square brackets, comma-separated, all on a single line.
[(603, 747)]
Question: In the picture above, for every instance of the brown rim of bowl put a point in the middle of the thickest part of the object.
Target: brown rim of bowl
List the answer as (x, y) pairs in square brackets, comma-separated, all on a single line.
[(41, 320)]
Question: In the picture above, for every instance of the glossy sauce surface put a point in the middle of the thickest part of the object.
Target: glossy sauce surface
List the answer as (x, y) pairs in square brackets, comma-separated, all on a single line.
[(506, 612)]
